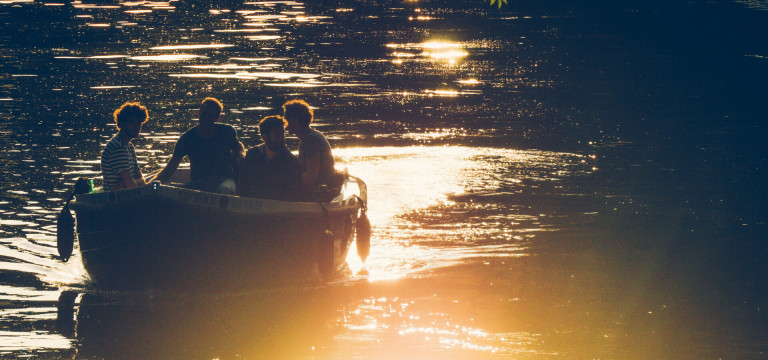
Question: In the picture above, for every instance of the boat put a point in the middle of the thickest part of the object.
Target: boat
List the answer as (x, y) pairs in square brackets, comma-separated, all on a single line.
[(166, 235)]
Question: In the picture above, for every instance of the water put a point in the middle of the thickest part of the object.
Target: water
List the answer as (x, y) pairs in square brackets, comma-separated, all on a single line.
[(552, 180)]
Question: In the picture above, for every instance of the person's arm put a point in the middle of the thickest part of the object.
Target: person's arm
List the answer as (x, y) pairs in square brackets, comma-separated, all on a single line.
[(120, 160), (239, 151), (126, 181), (238, 155), (168, 170), (140, 180)]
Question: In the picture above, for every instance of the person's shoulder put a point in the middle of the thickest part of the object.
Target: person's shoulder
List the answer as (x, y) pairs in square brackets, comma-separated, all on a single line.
[(316, 140), (226, 127), (320, 136), (255, 150), (113, 144), (225, 130), (189, 133), (314, 136), (316, 133)]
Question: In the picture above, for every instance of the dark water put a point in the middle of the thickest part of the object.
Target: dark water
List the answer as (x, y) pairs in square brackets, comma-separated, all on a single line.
[(556, 179)]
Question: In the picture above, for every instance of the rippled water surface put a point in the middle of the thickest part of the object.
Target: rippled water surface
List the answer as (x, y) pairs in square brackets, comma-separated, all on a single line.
[(550, 180)]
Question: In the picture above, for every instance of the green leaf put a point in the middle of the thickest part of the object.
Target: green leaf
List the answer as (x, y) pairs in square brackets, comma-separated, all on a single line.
[(499, 2)]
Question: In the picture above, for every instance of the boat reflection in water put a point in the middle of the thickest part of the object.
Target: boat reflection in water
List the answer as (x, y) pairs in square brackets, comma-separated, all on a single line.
[(274, 324)]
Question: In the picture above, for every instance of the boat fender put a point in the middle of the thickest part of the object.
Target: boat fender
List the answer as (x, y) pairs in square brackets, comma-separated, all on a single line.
[(65, 233), (65, 222), (363, 234)]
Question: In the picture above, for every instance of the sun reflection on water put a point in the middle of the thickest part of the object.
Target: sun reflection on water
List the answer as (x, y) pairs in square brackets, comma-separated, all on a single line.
[(170, 57), (447, 51), (414, 226), (191, 46), (408, 325)]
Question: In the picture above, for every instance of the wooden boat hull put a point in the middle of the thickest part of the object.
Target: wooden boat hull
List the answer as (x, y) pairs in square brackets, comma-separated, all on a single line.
[(164, 236)]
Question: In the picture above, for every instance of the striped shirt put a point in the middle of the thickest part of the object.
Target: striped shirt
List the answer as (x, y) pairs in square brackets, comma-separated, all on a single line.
[(115, 159)]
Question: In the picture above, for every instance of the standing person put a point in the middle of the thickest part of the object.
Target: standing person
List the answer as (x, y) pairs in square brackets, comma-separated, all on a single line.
[(213, 151), (314, 150), (119, 166), (269, 170)]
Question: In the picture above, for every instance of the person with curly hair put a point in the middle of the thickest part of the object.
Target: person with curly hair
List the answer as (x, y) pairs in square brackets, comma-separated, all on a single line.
[(119, 166)]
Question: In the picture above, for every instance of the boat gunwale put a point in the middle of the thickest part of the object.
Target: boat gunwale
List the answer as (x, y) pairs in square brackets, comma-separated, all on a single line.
[(215, 201)]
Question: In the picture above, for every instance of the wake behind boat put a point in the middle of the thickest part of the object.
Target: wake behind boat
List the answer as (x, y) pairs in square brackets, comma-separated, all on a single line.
[(161, 235)]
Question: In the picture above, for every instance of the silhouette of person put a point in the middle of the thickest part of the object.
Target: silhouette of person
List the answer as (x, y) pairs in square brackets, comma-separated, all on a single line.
[(314, 150), (213, 150), (269, 170), (119, 166)]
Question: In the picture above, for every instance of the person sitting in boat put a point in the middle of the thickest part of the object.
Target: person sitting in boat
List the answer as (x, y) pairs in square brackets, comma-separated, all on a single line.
[(318, 173), (119, 166), (213, 150), (269, 170)]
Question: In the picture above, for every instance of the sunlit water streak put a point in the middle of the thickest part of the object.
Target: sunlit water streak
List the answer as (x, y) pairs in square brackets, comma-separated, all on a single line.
[(428, 178)]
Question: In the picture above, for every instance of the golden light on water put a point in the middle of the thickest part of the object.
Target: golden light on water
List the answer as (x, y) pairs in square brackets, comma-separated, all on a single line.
[(170, 57), (19, 341), (252, 75), (107, 87), (441, 50), (40, 303), (469, 82), (245, 30), (80, 5), (296, 85), (108, 57), (408, 326), (258, 59), (220, 67), (436, 93), (421, 18), (440, 45), (191, 46), (450, 55), (263, 37), (259, 24), (428, 176)]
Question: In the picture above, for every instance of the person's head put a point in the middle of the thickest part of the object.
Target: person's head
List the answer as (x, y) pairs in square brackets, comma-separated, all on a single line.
[(298, 115), (129, 118), (210, 110), (272, 130)]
